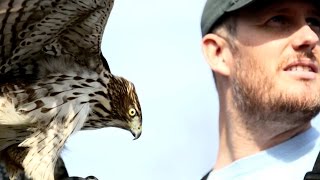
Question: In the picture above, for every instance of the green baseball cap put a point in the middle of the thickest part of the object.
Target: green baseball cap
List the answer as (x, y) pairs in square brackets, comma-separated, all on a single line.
[(215, 9)]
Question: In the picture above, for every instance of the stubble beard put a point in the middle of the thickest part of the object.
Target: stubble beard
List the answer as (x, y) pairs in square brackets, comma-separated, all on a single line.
[(261, 104)]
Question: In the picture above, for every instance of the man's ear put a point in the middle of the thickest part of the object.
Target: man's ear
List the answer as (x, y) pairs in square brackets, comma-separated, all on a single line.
[(217, 53)]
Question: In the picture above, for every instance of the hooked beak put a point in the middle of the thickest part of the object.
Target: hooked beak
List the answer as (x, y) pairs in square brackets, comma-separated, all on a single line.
[(136, 128), (136, 135)]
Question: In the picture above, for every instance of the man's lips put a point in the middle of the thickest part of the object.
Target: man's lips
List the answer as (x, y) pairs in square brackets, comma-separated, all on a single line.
[(302, 70), (306, 66)]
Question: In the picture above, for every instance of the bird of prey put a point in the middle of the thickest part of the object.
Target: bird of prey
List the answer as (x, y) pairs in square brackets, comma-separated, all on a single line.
[(54, 81)]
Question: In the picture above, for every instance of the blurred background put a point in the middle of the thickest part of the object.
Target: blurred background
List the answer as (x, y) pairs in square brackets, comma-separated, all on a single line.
[(156, 45)]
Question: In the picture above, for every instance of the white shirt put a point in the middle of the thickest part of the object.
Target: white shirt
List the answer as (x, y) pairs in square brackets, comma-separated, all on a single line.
[(289, 160)]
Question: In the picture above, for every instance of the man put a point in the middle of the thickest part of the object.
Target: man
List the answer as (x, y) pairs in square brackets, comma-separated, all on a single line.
[(265, 57)]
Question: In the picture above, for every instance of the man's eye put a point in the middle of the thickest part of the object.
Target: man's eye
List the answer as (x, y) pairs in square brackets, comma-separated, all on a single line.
[(314, 23), (277, 21)]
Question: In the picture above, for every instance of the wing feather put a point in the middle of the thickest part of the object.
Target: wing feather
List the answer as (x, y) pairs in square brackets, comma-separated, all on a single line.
[(46, 29)]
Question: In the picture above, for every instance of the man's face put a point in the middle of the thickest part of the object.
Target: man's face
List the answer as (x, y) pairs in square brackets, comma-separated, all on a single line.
[(276, 63)]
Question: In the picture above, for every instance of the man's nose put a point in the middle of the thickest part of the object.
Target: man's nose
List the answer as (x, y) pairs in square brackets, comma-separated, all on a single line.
[(305, 39)]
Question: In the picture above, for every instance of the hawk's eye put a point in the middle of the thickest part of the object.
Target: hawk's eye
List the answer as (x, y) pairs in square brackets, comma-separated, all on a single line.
[(132, 112)]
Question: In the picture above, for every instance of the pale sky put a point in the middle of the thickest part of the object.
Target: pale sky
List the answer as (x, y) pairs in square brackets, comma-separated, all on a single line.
[(156, 45)]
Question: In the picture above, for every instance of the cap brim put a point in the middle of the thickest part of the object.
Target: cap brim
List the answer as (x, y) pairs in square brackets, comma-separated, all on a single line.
[(239, 4)]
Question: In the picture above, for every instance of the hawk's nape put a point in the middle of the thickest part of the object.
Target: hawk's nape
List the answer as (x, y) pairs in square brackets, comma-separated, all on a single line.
[(54, 82)]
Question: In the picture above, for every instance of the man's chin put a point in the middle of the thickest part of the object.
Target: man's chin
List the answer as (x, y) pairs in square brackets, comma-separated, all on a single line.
[(299, 86), (297, 103)]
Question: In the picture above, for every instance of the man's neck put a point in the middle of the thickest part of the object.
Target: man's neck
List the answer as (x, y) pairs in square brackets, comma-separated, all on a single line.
[(237, 141)]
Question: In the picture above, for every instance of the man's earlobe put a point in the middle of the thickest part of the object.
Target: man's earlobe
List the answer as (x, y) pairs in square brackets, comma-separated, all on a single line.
[(217, 53)]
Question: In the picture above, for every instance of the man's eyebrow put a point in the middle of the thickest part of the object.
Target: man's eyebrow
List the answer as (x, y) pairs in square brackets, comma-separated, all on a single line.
[(281, 10)]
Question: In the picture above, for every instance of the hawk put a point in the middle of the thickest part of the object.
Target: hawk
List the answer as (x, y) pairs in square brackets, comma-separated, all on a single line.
[(54, 81)]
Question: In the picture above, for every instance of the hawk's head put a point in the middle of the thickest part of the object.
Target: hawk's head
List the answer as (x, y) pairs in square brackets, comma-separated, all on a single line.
[(115, 105)]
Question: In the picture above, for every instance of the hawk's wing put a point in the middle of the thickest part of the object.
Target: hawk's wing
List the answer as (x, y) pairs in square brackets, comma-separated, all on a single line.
[(51, 29)]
